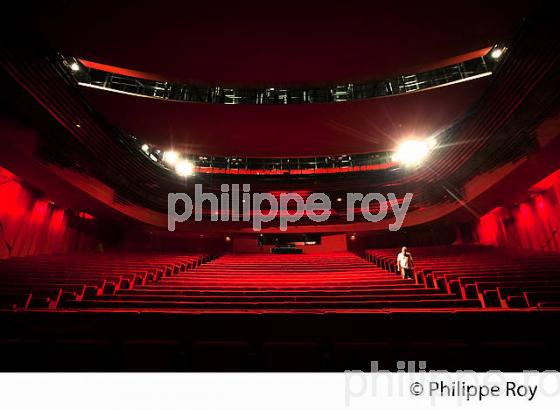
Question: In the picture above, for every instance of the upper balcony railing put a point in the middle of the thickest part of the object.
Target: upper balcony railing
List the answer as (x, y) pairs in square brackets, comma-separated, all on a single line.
[(209, 164), (464, 71)]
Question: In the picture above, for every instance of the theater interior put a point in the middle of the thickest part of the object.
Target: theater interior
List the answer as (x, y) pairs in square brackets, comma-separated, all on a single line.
[(107, 108)]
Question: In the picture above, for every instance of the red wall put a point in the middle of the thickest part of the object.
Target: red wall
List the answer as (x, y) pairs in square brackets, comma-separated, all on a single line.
[(532, 223), (33, 226)]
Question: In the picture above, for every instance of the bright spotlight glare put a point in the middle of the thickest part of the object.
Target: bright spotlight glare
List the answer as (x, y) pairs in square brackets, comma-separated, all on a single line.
[(412, 153), (145, 148), (170, 157), (184, 168), (496, 53), (75, 67)]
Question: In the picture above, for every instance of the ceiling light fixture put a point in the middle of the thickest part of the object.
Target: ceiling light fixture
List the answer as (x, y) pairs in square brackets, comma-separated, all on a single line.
[(170, 157), (497, 53), (184, 168), (412, 153)]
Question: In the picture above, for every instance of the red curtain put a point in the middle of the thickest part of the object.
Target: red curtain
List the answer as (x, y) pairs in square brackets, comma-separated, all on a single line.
[(533, 223), (33, 226)]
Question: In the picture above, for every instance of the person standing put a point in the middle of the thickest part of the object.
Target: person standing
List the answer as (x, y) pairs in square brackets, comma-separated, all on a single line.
[(405, 263)]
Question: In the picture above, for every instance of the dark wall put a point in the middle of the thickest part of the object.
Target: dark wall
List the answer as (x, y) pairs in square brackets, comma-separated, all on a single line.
[(428, 235), (166, 242)]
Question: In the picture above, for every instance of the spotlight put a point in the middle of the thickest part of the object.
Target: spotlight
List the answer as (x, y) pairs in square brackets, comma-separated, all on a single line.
[(75, 66), (170, 157), (145, 148), (184, 168), (228, 239), (338, 199), (411, 153), (497, 53)]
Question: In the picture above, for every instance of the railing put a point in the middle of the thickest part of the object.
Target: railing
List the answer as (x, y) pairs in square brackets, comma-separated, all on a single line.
[(277, 166), (464, 71)]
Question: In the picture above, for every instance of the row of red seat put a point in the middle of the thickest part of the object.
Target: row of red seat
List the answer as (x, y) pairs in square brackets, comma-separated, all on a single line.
[(49, 281), (498, 277), (249, 283), (453, 277)]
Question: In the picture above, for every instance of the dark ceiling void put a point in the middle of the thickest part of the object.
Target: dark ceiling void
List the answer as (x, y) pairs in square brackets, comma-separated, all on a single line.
[(301, 130), (288, 43)]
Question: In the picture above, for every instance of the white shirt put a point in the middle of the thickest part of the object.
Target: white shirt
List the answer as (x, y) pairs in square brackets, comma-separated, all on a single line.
[(405, 260)]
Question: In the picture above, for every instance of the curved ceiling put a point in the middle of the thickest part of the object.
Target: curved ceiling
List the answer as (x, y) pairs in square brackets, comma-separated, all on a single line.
[(297, 130), (289, 43)]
